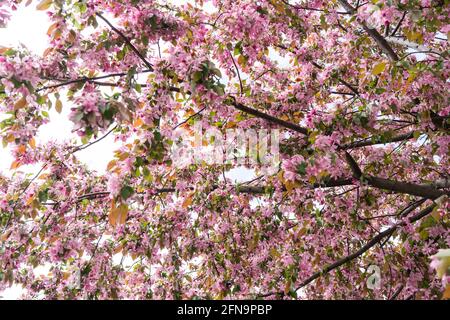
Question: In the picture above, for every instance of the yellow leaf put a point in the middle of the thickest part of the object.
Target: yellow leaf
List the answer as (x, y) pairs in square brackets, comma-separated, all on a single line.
[(278, 5), (118, 249), (57, 34), (123, 155), (52, 28), (112, 217), (187, 201), (6, 235), (47, 51), (123, 213), (53, 239), (58, 106), (289, 186), (301, 232), (3, 49), (21, 149), (280, 176), (20, 103), (242, 60), (44, 5), (137, 123), (118, 215), (32, 143), (111, 165), (29, 201), (287, 287), (447, 292), (72, 36), (411, 78), (379, 68), (230, 124), (15, 165), (35, 204)]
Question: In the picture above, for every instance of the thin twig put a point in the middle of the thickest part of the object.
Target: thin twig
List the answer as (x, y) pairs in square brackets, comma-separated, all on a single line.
[(238, 74), (84, 146), (128, 42)]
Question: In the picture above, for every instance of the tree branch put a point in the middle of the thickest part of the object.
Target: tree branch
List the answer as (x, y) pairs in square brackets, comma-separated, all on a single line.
[(357, 173), (84, 146), (374, 141), (238, 73), (128, 42), (375, 240), (379, 39), (424, 191), (270, 118), (65, 82), (399, 24)]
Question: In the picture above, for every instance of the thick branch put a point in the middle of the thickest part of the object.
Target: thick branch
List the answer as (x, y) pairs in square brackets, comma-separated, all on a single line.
[(357, 173), (375, 240), (270, 118), (424, 191), (367, 246), (379, 39), (420, 190)]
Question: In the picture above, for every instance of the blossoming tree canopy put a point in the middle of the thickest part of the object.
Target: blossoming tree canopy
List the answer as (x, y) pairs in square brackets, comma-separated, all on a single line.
[(358, 89)]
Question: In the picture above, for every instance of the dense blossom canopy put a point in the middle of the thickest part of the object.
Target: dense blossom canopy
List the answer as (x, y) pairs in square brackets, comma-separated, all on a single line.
[(358, 90)]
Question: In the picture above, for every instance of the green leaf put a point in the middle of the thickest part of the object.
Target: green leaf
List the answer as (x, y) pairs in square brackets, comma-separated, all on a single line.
[(58, 106), (238, 48), (219, 89), (242, 60), (197, 76), (126, 192), (40, 100), (379, 68), (216, 72), (10, 52), (43, 195), (301, 168), (109, 112), (152, 21), (138, 87)]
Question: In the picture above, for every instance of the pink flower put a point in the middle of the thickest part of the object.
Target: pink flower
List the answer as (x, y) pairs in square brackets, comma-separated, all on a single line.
[(114, 185)]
